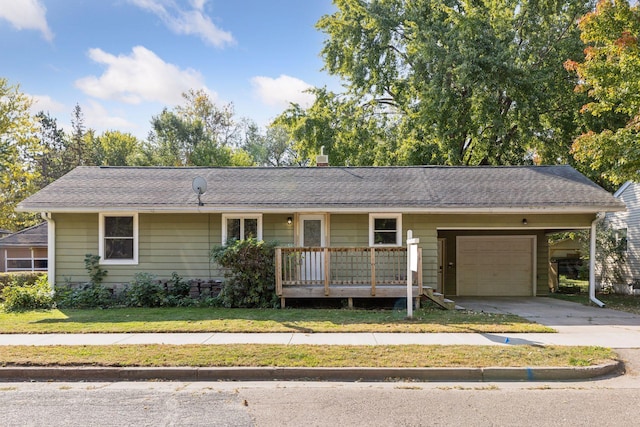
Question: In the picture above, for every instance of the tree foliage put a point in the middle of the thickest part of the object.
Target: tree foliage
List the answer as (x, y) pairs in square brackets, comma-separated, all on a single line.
[(447, 82), (16, 137), (47, 156), (198, 133), (610, 76), (115, 148)]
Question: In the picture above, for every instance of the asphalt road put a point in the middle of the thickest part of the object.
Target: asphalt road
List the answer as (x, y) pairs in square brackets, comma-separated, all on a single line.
[(606, 402)]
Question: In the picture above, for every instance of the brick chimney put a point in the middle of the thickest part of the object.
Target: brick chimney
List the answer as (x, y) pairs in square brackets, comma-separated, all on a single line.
[(322, 160)]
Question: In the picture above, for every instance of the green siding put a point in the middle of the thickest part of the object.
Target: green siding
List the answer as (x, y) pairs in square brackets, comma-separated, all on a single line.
[(349, 230), (276, 229), (166, 243), (425, 230), (554, 221), (182, 242), (76, 236), (170, 242)]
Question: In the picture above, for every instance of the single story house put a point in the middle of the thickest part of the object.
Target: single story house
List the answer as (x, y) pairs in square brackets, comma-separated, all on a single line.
[(25, 250), (625, 225), (341, 230)]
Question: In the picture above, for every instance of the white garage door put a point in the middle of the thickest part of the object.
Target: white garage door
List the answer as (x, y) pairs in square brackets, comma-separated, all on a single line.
[(495, 265)]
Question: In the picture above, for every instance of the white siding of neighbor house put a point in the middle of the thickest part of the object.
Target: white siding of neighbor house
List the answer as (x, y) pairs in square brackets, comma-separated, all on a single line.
[(629, 219)]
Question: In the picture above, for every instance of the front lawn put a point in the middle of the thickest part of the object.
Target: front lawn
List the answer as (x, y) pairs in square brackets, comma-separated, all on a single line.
[(140, 320), (304, 356)]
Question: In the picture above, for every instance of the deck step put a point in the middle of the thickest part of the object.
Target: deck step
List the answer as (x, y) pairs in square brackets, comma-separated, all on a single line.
[(438, 298)]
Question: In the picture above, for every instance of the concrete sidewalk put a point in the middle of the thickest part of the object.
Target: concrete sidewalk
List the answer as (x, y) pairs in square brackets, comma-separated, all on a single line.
[(606, 336)]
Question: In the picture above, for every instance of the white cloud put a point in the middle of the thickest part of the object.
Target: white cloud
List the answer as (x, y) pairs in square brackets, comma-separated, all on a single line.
[(26, 15), (282, 91), (141, 76), (46, 103), (97, 117), (182, 20)]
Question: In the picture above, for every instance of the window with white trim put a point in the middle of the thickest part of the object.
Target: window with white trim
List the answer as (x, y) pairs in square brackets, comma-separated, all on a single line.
[(241, 227), (25, 260), (118, 239), (385, 229)]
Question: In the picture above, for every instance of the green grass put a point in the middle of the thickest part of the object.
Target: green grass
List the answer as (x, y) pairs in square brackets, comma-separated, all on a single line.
[(140, 320), (582, 285), (303, 356), (628, 303)]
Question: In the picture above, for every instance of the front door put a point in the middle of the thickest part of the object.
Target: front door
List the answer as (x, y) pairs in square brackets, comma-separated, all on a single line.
[(312, 236)]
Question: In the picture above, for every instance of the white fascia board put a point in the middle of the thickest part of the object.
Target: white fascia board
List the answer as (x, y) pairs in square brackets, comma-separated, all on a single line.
[(622, 189), (523, 229), (328, 209)]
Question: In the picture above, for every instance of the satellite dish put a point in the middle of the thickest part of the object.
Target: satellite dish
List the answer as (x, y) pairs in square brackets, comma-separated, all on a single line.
[(199, 186)]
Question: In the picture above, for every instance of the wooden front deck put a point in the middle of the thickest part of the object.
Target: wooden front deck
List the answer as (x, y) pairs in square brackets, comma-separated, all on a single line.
[(344, 273)]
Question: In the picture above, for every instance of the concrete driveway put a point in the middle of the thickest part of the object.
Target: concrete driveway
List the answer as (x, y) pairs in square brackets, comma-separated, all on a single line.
[(552, 312)]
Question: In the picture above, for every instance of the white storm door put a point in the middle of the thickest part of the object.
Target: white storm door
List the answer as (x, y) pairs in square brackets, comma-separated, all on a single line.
[(312, 236)]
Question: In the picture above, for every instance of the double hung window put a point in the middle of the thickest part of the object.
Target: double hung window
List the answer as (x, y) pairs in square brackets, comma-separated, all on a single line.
[(385, 230), (241, 227), (118, 239)]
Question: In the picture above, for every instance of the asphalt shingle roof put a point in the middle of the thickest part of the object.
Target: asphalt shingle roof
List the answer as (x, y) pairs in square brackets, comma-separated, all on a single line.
[(32, 236), (427, 188)]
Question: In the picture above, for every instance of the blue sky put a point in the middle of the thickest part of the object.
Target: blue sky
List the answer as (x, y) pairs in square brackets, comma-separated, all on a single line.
[(123, 61)]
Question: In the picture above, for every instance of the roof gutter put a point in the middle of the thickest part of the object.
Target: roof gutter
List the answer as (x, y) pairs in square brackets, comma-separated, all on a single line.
[(51, 249), (592, 262), (326, 208)]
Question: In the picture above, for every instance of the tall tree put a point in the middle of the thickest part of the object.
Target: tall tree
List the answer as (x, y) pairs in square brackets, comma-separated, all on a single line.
[(17, 128), (47, 155), (351, 132), (115, 148), (218, 122), (453, 81), (198, 133), (76, 146), (610, 76), (273, 148)]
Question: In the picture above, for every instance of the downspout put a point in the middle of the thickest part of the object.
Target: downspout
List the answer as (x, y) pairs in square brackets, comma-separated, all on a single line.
[(51, 248), (592, 262)]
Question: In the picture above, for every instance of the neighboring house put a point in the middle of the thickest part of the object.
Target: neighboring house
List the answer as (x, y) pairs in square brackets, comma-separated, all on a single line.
[(482, 230), (25, 250), (626, 228)]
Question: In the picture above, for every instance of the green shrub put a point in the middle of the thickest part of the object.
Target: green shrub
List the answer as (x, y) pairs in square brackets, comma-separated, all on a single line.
[(89, 295), (144, 291), (178, 293), (250, 273), (28, 297), (20, 278), (92, 265), (177, 287)]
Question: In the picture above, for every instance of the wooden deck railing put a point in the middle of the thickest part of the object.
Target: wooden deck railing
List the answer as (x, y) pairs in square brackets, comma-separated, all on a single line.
[(343, 267)]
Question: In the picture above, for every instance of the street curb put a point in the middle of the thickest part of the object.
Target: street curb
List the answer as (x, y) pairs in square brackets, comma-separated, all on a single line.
[(76, 374)]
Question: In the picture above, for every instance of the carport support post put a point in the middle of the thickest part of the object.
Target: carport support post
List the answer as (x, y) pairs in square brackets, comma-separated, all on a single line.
[(592, 263), (412, 265)]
